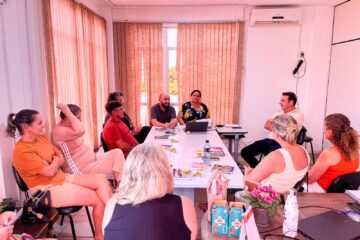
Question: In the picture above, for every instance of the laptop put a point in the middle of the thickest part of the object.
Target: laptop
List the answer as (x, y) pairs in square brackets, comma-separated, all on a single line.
[(196, 126), (330, 225)]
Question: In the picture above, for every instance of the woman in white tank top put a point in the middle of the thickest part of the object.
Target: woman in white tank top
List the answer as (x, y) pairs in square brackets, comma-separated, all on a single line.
[(282, 168)]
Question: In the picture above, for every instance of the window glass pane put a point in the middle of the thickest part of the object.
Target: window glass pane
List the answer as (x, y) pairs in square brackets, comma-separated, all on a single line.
[(171, 37)]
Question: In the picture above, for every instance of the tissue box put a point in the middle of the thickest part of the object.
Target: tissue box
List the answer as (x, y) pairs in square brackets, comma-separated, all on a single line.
[(235, 218), (219, 217)]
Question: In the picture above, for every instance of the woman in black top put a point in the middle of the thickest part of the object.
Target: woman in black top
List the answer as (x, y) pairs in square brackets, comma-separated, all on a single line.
[(194, 109), (143, 207)]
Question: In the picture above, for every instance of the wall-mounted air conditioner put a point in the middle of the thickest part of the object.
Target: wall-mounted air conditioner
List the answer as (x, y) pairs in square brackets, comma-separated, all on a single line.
[(275, 16)]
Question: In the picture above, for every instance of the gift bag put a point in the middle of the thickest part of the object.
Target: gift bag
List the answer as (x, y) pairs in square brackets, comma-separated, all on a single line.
[(217, 189)]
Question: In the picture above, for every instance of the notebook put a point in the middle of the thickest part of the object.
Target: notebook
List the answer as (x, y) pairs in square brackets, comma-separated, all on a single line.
[(330, 225), (196, 126)]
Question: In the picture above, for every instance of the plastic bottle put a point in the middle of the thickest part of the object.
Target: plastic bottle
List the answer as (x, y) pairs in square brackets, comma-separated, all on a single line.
[(291, 215), (206, 157)]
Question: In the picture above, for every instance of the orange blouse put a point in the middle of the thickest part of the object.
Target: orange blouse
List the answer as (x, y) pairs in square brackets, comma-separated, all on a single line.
[(343, 167), (28, 161)]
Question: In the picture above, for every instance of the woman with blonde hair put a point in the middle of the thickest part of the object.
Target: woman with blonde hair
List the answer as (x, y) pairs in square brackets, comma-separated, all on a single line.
[(284, 167), (340, 158), (38, 163), (143, 206)]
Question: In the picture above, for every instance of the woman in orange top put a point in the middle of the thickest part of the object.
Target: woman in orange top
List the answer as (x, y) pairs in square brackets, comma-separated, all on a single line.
[(339, 159), (38, 163)]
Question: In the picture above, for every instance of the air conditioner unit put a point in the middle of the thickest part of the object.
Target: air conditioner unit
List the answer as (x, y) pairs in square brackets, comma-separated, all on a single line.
[(275, 16)]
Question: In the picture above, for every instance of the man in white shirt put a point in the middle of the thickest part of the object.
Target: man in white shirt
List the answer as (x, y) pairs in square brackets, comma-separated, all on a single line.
[(265, 146)]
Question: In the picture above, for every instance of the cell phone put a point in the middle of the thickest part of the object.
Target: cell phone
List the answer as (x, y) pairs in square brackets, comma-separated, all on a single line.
[(354, 206), (18, 215), (236, 127)]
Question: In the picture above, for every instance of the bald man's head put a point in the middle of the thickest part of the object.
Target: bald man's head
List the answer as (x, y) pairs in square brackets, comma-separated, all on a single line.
[(164, 100)]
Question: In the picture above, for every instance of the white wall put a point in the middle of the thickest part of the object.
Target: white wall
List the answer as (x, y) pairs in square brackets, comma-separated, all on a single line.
[(271, 55), (21, 74), (344, 84)]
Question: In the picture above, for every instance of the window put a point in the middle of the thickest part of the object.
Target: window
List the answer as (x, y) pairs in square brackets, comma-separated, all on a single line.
[(170, 81)]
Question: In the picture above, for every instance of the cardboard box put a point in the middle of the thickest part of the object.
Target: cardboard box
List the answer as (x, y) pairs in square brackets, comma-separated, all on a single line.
[(219, 217), (235, 218)]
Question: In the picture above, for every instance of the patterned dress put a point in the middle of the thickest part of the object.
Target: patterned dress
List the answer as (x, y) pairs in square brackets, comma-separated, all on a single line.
[(191, 114)]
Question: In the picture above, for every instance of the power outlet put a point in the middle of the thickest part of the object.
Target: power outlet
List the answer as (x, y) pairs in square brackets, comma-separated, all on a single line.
[(302, 54)]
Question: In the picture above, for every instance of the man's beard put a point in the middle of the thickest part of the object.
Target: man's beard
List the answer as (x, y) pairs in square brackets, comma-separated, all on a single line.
[(165, 106)]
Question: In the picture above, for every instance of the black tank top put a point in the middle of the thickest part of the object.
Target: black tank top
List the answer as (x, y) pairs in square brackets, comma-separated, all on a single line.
[(158, 219)]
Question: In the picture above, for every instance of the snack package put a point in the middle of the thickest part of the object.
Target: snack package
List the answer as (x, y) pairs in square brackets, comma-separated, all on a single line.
[(235, 218), (216, 190), (219, 217)]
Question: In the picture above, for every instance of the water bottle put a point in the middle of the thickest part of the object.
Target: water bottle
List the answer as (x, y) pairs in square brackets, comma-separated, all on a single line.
[(291, 215), (206, 157)]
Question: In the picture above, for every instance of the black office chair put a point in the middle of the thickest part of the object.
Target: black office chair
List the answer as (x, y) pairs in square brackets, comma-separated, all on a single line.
[(350, 181), (309, 139), (301, 136), (103, 143), (63, 211), (299, 140)]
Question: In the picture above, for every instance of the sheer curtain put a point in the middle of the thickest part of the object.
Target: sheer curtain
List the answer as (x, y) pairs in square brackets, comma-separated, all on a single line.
[(209, 58), (138, 65), (76, 55)]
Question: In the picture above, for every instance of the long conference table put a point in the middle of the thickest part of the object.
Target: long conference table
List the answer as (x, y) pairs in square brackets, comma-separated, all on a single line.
[(187, 146)]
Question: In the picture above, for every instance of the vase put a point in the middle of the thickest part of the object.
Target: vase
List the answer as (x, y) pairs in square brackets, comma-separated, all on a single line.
[(262, 217)]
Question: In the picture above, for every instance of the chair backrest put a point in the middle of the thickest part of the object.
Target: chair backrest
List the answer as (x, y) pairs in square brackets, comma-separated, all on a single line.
[(301, 136), (103, 143), (349, 181), (20, 182)]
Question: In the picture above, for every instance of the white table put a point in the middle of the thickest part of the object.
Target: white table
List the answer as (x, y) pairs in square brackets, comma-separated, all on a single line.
[(185, 155), (229, 130)]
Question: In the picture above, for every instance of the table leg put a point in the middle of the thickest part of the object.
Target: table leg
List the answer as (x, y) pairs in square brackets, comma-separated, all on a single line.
[(236, 148), (230, 146), (188, 192)]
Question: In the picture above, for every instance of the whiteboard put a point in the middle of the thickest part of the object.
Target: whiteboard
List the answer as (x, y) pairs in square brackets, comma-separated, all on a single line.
[(344, 82)]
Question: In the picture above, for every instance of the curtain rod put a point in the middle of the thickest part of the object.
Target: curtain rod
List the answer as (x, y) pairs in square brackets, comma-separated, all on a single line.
[(178, 21)]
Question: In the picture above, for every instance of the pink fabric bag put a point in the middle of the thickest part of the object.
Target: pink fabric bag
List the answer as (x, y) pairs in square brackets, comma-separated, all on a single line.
[(217, 189)]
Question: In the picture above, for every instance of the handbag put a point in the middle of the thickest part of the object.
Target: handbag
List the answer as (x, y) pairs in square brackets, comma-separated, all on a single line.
[(35, 206)]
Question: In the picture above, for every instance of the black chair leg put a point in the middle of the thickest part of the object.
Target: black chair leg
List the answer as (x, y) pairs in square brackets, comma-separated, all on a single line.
[(312, 152), (62, 220), (90, 221), (72, 226)]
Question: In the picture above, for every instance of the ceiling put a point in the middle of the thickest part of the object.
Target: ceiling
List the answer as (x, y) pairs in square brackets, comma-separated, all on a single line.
[(120, 3)]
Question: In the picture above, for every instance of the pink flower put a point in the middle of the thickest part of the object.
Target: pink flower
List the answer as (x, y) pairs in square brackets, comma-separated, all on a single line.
[(255, 193), (268, 200)]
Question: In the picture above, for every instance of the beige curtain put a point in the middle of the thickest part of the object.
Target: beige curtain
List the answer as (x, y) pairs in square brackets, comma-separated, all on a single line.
[(76, 54), (209, 58), (138, 65)]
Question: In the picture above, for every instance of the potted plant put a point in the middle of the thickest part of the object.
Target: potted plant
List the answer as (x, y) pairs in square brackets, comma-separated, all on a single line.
[(7, 204), (264, 201)]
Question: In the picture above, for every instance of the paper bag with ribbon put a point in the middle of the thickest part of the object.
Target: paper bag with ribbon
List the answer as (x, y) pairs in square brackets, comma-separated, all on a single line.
[(217, 189)]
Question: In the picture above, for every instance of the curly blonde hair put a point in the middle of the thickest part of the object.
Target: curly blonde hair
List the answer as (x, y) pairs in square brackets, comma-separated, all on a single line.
[(286, 127), (146, 175)]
